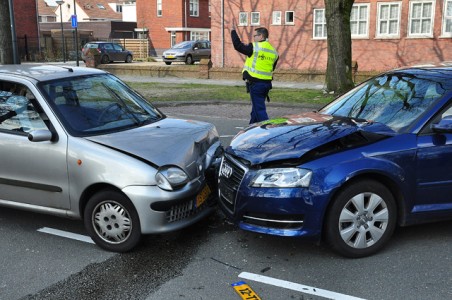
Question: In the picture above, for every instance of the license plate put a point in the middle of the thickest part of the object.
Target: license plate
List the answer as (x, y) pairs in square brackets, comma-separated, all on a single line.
[(245, 291), (170, 56), (203, 195)]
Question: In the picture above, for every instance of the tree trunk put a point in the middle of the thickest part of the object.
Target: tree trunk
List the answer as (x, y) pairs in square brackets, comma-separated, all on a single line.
[(339, 71), (6, 40)]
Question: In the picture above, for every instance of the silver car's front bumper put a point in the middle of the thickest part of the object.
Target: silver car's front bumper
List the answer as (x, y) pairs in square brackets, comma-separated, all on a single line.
[(163, 211)]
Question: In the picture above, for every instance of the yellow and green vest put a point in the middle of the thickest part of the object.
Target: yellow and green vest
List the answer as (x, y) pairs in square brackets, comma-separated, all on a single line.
[(260, 64)]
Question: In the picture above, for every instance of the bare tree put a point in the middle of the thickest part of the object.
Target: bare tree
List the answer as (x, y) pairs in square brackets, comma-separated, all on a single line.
[(6, 40), (339, 72)]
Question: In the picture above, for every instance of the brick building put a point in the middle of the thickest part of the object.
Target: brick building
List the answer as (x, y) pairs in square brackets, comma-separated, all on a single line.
[(172, 21), (385, 34), (27, 31)]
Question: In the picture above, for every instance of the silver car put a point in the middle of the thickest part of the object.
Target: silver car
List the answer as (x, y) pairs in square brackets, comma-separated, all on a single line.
[(79, 143), (188, 52)]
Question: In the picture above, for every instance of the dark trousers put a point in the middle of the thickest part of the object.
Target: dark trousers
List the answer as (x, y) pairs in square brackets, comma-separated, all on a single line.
[(258, 93)]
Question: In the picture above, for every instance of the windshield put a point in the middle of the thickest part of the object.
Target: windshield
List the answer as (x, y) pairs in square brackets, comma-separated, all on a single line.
[(395, 100), (183, 45), (97, 104)]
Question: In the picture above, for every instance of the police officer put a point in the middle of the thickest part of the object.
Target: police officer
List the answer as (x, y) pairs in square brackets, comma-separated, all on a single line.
[(258, 69)]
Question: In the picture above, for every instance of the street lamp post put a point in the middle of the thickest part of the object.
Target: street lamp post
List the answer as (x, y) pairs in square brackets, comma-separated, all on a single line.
[(61, 2)]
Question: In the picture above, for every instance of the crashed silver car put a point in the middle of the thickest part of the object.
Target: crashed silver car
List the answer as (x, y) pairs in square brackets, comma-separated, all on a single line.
[(79, 143)]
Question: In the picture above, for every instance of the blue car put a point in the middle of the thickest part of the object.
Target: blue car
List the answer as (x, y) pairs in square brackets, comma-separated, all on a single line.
[(375, 158)]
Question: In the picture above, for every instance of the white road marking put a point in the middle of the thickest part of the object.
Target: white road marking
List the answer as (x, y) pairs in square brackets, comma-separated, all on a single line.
[(297, 287), (227, 136), (66, 234)]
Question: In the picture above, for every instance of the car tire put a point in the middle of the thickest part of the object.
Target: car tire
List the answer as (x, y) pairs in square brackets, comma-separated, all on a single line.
[(189, 60), (361, 219), (112, 221), (167, 63), (129, 59), (105, 59)]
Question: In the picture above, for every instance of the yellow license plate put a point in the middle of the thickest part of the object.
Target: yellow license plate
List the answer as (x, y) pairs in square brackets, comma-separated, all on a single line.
[(170, 56), (245, 291), (202, 196)]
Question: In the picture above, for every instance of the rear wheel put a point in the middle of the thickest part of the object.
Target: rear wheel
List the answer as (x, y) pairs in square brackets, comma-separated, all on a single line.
[(189, 60), (167, 63), (105, 59), (112, 221), (361, 220)]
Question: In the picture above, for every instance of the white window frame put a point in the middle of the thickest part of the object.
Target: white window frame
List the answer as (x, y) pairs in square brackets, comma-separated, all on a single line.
[(286, 22), (388, 19), (173, 38), (243, 18), (317, 23), (199, 35), (254, 14), (276, 17), (159, 8), (360, 20), (194, 8), (411, 19), (447, 18)]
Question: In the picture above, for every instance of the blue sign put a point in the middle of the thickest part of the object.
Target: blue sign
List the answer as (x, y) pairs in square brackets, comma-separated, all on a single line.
[(74, 21)]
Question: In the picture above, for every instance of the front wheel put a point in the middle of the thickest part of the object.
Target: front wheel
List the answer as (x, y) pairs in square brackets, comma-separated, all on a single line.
[(361, 219), (129, 59), (112, 221), (189, 60), (167, 63)]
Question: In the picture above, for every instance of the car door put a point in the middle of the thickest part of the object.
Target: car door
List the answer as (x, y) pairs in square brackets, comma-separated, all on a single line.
[(120, 53), (434, 165), (108, 47), (31, 172)]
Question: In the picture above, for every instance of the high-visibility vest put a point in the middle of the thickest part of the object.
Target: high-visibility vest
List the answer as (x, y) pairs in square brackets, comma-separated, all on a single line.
[(260, 64)]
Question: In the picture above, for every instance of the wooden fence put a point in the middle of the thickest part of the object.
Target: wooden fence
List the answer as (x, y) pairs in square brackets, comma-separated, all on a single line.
[(139, 47)]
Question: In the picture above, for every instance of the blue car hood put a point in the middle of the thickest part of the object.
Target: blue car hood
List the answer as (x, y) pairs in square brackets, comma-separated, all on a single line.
[(306, 136)]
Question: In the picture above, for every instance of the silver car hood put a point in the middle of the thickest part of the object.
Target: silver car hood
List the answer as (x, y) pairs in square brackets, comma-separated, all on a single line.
[(184, 143)]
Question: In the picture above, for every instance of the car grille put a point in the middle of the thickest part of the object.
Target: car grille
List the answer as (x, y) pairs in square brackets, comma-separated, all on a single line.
[(230, 177), (183, 210), (274, 221)]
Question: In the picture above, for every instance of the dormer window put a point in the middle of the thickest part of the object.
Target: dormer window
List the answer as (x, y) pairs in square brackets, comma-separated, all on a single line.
[(101, 6)]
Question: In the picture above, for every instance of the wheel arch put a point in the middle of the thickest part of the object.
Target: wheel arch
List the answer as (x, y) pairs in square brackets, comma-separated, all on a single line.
[(94, 189), (387, 181)]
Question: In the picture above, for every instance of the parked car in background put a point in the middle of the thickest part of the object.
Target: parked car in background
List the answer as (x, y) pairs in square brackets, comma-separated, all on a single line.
[(376, 157), (188, 52), (79, 143), (109, 52)]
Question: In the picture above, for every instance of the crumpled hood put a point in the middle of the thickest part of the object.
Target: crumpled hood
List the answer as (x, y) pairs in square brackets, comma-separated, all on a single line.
[(309, 134), (183, 143)]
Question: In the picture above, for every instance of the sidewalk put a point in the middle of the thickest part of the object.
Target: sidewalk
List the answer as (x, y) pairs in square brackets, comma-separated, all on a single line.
[(177, 80)]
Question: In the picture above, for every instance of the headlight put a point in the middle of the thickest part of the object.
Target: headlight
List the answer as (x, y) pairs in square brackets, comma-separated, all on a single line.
[(282, 178), (170, 178)]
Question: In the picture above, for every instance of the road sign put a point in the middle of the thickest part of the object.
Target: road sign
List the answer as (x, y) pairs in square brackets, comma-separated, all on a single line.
[(74, 21)]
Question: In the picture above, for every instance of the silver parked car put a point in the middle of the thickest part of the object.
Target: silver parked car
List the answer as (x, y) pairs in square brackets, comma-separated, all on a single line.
[(79, 143), (188, 52)]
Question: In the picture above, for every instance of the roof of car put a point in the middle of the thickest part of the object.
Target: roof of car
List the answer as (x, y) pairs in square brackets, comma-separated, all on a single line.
[(46, 72)]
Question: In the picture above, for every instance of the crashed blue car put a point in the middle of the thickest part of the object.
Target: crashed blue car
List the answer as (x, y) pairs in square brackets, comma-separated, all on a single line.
[(377, 157)]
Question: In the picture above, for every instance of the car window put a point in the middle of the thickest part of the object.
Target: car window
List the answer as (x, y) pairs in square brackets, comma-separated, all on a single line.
[(97, 104), (18, 112), (118, 47), (395, 100), (108, 47), (183, 45)]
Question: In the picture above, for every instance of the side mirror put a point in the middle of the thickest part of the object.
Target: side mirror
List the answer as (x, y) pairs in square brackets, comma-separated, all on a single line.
[(40, 135), (443, 126), (195, 48)]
